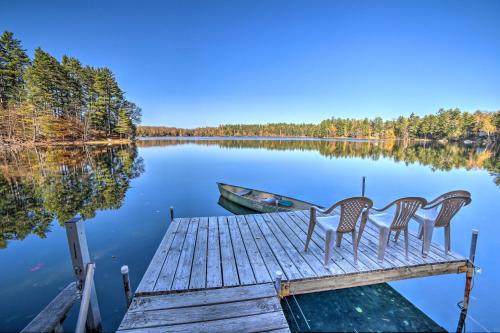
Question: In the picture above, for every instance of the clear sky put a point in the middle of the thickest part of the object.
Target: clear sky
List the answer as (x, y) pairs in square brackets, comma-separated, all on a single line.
[(196, 63)]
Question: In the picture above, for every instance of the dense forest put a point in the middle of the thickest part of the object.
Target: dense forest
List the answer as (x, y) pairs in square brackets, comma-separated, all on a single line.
[(43, 99), (452, 124)]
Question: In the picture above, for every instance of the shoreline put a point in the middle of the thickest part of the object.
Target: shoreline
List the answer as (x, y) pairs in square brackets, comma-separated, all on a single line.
[(65, 143), (145, 138)]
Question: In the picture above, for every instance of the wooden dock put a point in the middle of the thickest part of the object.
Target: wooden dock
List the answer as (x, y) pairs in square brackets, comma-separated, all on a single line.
[(216, 274)]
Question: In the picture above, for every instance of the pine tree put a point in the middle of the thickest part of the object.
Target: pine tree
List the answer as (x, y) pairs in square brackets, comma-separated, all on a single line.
[(13, 61), (108, 102), (124, 125)]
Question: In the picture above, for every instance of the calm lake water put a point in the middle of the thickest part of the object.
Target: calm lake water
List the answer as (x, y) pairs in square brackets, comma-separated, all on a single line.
[(124, 192)]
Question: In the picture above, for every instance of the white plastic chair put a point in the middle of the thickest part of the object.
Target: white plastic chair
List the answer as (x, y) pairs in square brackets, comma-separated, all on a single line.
[(386, 222), (438, 214), (346, 214)]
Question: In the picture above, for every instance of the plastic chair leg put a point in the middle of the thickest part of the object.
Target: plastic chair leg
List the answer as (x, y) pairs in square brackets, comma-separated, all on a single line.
[(338, 241), (447, 239), (382, 243), (407, 241), (328, 246), (420, 231), (428, 229), (355, 247)]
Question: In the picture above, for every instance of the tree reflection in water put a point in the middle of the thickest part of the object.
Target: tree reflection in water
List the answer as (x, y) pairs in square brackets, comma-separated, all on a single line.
[(38, 185), (444, 157)]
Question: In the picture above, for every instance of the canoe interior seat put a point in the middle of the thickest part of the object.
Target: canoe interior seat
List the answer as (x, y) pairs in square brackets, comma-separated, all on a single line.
[(281, 202), (269, 200), (243, 192)]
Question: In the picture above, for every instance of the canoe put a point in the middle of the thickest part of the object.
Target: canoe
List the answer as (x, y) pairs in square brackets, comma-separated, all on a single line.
[(261, 201)]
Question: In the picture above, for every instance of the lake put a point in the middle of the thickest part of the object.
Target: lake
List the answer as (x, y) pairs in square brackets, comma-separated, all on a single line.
[(124, 193)]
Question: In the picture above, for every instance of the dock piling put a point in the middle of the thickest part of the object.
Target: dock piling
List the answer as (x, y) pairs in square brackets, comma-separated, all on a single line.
[(469, 274), (277, 281), (126, 284), (363, 185)]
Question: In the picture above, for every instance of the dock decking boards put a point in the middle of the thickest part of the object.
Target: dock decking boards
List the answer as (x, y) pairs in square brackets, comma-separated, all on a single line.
[(253, 308), (200, 253), (211, 258)]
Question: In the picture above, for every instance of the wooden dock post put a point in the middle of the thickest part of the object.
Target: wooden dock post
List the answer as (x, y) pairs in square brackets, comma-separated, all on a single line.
[(126, 284), (277, 282), (171, 213), (77, 242), (468, 281), (363, 185)]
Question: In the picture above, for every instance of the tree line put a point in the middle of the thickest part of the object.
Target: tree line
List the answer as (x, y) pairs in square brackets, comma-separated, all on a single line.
[(43, 99), (451, 124)]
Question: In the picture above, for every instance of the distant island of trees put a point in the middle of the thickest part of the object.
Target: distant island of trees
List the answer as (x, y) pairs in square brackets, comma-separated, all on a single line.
[(43, 99), (451, 124)]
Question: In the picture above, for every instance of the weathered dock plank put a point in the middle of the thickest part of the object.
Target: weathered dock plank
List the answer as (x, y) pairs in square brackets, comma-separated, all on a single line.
[(268, 256), (262, 275), (244, 309), (51, 317), (185, 264), (229, 270), (199, 272), (245, 270), (214, 268), (147, 284)]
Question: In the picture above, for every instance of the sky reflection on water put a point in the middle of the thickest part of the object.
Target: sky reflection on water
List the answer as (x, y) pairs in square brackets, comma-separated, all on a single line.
[(124, 193)]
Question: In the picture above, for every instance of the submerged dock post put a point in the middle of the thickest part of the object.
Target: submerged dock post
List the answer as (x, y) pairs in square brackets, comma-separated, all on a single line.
[(468, 281), (171, 213), (363, 183), (80, 258), (126, 284)]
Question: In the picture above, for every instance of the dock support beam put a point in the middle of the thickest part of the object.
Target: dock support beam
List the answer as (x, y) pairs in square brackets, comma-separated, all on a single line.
[(77, 242), (171, 213), (126, 284), (469, 274)]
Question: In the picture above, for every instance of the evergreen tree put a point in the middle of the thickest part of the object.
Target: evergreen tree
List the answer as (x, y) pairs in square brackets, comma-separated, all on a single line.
[(124, 125), (108, 102), (13, 61)]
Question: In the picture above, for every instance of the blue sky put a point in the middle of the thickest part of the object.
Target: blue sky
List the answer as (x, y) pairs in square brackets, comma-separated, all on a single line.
[(196, 63)]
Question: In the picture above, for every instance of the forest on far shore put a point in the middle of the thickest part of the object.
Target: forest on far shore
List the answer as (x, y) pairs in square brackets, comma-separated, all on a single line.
[(43, 99), (451, 124), (46, 100)]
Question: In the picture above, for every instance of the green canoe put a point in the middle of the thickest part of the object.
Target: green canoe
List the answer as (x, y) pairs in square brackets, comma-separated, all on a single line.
[(260, 201)]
